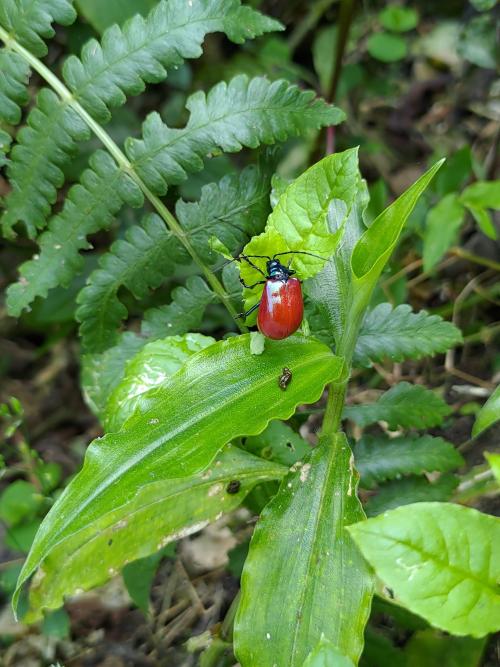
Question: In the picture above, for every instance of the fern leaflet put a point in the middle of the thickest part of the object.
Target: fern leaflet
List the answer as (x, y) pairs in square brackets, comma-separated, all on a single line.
[(5, 141), (31, 20), (43, 148), (144, 48), (243, 112), (89, 206), (14, 77), (141, 261)]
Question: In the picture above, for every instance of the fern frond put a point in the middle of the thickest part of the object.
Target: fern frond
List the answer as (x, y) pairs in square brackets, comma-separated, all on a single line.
[(184, 313), (143, 50), (43, 147), (140, 262), (5, 141), (232, 210), (244, 112), (89, 207), (30, 21), (14, 77)]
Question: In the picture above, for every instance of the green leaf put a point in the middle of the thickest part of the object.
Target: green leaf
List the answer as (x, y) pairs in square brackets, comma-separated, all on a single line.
[(410, 490), (5, 141), (478, 43), (233, 210), (398, 334), (323, 51), (381, 458), (101, 16), (184, 312), (140, 262), (379, 650), (327, 655), (386, 47), (406, 405), (300, 219), (279, 442), (43, 148), (20, 537), (219, 394), (483, 5), (89, 207), (149, 369), (488, 415), (303, 579), (442, 225), (398, 18), (429, 648), (441, 560), (56, 624), (142, 51), (101, 373), (14, 77), (29, 21), (159, 512), (20, 501), (494, 463), (138, 576), (243, 112), (482, 194)]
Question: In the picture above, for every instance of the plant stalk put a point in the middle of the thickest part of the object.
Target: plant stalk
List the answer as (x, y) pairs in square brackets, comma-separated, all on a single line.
[(126, 166)]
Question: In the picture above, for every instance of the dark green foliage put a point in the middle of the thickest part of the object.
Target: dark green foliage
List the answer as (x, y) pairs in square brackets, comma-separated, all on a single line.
[(145, 48), (31, 20), (89, 206), (148, 254), (381, 458), (398, 334), (244, 112), (14, 76), (184, 313), (43, 148)]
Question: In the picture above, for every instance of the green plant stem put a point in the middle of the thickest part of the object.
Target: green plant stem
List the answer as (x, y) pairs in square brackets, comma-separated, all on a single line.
[(334, 407), (475, 259), (125, 165), (309, 22)]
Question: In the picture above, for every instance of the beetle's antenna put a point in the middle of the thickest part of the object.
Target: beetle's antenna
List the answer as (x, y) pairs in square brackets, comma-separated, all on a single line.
[(254, 266), (298, 252)]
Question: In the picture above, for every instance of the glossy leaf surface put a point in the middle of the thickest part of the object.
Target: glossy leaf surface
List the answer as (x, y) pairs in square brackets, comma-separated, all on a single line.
[(303, 578), (155, 514), (221, 393), (441, 560), (327, 655)]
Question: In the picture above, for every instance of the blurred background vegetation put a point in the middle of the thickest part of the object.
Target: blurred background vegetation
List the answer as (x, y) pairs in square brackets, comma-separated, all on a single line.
[(418, 81)]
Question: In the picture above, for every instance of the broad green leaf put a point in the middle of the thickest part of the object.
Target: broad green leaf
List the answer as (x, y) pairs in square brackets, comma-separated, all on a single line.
[(432, 649), (483, 5), (409, 490), (18, 502), (57, 624), (494, 462), (379, 650), (489, 413), (379, 458), (300, 219), (244, 112), (386, 47), (441, 229), (441, 560), (154, 514), (303, 579), (398, 334), (138, 576), (484, 221), (220, 393), (327, 655), (148, 370), (29, 21), (406, 405), (101, 15), (323, 52), (398, 18), (482, 194)]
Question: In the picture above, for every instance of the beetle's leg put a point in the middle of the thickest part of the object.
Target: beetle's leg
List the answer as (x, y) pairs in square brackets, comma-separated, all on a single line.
[(259, 282), (245, 315)]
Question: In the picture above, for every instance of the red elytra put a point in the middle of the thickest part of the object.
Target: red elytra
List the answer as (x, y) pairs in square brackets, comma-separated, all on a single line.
[(281, 308)]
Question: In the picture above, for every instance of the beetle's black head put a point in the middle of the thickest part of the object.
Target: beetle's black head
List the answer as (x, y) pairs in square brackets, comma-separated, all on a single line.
[(275, 269)]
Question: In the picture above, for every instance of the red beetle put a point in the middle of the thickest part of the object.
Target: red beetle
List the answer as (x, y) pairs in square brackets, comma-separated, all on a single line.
[(281, 306)]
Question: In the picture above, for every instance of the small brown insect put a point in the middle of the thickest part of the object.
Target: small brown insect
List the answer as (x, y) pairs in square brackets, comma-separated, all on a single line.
[(285, 378), (233, 486)]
